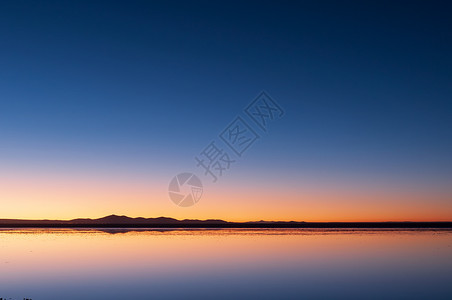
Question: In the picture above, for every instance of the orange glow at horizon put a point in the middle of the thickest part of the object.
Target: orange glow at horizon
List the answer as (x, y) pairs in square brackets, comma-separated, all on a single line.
[(49, 197)]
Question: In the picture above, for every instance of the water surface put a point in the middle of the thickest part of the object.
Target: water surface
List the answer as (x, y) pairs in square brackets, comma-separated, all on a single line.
[(225, 263)]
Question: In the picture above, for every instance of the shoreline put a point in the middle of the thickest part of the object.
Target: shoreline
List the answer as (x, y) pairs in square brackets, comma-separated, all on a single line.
[(250, 225)]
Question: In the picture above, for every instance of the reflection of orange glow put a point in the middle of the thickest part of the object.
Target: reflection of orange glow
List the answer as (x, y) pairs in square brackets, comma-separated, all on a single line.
[(53, 197), (66, 254)]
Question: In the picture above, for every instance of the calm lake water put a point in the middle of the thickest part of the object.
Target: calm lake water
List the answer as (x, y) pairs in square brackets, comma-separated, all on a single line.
[(230, 264)]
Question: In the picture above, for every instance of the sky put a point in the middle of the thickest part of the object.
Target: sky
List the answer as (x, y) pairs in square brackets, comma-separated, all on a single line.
[(102, 103)]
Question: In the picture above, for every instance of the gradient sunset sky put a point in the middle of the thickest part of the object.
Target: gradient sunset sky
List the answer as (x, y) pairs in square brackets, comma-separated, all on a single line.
[(103, 102)]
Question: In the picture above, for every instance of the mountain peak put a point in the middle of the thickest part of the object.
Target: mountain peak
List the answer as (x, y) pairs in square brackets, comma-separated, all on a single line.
[(115, 217)]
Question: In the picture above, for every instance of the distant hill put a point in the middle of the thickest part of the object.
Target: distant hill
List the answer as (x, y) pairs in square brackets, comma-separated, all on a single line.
[(114, 221), (108, 221)]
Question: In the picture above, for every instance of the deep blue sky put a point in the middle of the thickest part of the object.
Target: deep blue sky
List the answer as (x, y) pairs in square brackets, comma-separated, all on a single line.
[(138, 87)]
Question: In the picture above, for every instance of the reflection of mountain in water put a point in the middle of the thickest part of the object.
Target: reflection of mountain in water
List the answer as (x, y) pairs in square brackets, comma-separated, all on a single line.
[(114, 223)]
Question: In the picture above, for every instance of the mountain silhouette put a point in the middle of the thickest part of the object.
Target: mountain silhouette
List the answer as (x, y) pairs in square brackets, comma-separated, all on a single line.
[(115, 221), (108, 221)]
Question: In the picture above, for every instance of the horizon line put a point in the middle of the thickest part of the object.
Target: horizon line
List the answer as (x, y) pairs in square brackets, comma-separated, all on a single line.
[(121, 220)]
